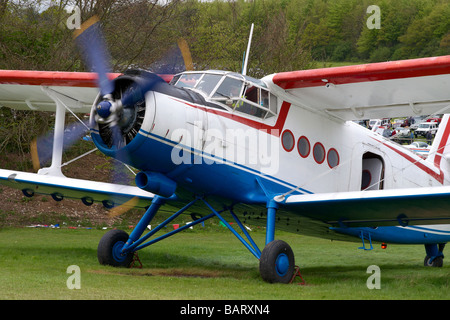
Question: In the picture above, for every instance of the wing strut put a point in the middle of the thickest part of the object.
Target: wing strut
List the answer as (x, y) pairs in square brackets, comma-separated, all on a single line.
[(58, 139)]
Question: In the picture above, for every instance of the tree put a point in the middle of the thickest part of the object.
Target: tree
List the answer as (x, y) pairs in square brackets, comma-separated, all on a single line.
[(424, 35)]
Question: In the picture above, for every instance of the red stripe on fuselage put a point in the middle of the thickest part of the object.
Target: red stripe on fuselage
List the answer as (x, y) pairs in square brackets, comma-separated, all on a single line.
[(442, 144), (437, 157), (273, 130), (438, 176)]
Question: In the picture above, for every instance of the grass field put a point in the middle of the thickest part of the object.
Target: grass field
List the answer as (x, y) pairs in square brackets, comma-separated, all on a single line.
[(207, 265)]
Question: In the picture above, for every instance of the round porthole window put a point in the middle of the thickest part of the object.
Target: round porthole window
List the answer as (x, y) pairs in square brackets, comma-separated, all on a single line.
[(287, 140), (303, 146), (319, 152), (332, 158)]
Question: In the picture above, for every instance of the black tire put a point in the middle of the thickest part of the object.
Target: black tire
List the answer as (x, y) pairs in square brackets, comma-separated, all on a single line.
[(109, 248), (438, 262), (277, 263)]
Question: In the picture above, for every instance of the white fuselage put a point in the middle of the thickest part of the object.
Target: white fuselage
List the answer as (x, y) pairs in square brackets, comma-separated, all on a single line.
[(298, 150)]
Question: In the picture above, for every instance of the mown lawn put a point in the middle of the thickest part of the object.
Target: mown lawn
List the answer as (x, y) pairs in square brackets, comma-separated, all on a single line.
[(208, 265)]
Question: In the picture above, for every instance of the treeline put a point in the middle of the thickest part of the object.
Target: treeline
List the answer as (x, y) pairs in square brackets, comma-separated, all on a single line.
[(288, 34), (293, 34)]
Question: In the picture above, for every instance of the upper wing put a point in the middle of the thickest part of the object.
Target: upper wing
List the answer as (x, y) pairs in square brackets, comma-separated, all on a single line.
[(36, 90), (373, 208), (378, 90), (29, 90)]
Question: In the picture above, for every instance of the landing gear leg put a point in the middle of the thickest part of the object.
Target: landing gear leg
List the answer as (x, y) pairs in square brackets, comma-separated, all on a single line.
[(435, 255), (277, 263)]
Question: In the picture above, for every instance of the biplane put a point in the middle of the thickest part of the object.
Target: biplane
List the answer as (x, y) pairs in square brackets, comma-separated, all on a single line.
[(282, 152)]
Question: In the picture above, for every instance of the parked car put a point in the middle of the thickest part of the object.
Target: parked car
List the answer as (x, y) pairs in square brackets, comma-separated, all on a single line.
[(435, 119), (415, 121), (401, 135), (419, 147), (374, 123), (424, 127)]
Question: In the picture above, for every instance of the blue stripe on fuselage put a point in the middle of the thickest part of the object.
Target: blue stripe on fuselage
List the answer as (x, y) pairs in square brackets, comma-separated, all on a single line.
[(202, 173)]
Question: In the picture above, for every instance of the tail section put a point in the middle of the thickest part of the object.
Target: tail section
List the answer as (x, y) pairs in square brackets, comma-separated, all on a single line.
[(440, 149)]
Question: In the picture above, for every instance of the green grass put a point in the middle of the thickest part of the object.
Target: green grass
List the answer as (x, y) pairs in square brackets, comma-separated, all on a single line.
[(207, 265)]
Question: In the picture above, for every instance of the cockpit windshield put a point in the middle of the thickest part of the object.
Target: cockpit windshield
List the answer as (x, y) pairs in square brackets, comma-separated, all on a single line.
[(237, 92)]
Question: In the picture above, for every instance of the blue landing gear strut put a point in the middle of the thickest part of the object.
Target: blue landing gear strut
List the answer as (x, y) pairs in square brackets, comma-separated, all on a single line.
[(276, 264), (116, 248), (435, 255)]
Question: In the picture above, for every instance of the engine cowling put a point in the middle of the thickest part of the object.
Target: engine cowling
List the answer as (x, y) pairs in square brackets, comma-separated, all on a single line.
[(129, 118)]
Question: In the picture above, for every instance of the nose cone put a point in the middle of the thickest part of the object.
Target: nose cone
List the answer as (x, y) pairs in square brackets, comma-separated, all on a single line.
[(104, 109)]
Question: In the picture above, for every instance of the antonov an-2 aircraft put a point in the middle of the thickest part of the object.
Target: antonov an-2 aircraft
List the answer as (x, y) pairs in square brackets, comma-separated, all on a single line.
[(281, 151)]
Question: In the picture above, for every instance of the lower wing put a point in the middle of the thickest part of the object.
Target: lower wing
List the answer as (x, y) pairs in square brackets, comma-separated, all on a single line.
[(373, 208), (89, 192)]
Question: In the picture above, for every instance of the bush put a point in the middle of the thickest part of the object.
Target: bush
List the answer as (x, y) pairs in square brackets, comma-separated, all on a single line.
[(380, 54)]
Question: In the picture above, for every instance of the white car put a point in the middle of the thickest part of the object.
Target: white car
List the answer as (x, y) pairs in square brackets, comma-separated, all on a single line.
[(424, 127)]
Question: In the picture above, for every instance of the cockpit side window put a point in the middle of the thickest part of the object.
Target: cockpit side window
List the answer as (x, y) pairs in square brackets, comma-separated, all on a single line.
[(273, 106), (258, 102), (249, 103)]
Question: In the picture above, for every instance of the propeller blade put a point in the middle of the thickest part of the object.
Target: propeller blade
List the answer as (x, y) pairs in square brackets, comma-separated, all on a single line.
[(186, 53), (91, 43), (42, 147), (125, 207), (120, 174)]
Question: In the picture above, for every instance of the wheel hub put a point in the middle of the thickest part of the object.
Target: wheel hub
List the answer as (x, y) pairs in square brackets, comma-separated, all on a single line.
[(282, 264), (118, 254)]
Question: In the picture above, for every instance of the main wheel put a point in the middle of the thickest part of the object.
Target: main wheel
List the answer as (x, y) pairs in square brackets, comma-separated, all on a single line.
[(437, 262), (277, 264), (109, 251)]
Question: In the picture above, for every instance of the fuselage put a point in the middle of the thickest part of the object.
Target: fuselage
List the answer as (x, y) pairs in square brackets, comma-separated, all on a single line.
[(237, 139)]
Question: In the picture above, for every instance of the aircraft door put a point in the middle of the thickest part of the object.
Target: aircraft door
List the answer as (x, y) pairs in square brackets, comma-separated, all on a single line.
[(196, 126), (372, 172)]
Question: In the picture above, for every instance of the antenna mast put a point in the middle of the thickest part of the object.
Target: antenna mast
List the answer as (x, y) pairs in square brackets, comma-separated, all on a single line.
[(244, 69)]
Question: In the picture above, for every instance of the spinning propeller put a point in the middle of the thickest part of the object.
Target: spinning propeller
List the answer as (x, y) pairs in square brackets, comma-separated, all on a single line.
[(116, 108), (119, 109)]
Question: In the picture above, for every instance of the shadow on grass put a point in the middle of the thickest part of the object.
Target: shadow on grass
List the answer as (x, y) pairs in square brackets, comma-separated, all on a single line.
[(395, 274), (154, 263)]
